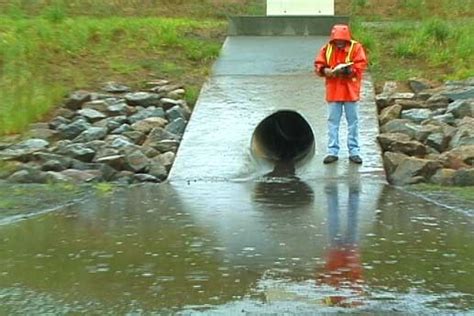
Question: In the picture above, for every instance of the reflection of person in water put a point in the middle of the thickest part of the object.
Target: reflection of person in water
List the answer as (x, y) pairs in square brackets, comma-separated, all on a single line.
[(343, 269)]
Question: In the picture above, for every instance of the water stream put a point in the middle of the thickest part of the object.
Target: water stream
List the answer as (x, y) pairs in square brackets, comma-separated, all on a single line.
[(275, 245)]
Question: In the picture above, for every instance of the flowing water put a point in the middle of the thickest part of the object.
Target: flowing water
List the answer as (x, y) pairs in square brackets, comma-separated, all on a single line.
[(277, 245)]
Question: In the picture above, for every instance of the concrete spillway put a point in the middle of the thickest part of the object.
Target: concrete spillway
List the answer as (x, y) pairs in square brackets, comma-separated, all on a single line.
[(263, 104)]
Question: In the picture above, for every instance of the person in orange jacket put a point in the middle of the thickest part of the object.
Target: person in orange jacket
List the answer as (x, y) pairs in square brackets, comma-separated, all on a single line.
[(342, 62)]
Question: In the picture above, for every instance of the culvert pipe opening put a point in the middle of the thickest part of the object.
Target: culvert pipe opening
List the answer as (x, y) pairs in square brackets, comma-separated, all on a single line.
[(284, 136)]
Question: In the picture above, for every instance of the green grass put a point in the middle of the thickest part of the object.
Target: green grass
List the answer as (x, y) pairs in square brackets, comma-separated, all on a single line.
[(464, 193), (433, 48), (25, 199), (58, 9), (41, 59), (104, 188)]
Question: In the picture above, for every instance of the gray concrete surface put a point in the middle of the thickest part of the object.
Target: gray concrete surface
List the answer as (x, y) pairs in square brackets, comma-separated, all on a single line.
[(253, 78)]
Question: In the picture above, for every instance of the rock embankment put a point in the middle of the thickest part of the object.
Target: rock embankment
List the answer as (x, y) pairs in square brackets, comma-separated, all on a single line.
[(427, 135), (112, 135)]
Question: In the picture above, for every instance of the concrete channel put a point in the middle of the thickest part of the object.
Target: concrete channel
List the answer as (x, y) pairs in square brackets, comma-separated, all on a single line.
[(266, 83)]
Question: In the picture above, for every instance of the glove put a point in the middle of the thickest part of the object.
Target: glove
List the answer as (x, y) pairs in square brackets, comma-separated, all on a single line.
[(328, 72)]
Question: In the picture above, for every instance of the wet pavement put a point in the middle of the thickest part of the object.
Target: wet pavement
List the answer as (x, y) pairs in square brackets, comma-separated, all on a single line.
[(253, 78), (273, 246)]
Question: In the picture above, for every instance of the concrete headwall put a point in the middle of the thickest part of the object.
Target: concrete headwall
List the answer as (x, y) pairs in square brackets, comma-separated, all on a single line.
[(283, 25)]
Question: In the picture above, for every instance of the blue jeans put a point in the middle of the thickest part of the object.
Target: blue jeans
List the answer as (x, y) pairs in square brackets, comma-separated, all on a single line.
[(334, 120)]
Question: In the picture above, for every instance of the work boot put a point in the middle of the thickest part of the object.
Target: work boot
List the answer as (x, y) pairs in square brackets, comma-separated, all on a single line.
[(330, 159), (356, 159)]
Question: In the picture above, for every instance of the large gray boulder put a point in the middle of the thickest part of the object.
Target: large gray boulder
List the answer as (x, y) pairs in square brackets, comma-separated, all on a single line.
[(91, 134), (438, 101), (97, 105), (170, 103), (387, 139), (176, 112), (400, 126), (122, 129), (383, 100), (76, 99), (146, 125), (43, 158), (136, 161), (135, 136), (176, 94), (24, 150), (115, 161), (462, 108), (166, 145), (414, 170), (56, 177), (26, 176), (28, 173), (443, 176), (390, 113), (144, 99), (58, 121), (105, 151), (53, 165), (447, 118), (416, 115), (391, 161), (438, 141), (112, 123), (460, 93), (412, 104), (143, 177), (81, 176), (157, 135), (73, 129), (96, 145), (464, 177), (176, 127), (146, 113), (419, 85), (118, 141), (401, 143), (158, 170), (77, 151), (465, 133), (166, 159), (115, 87), (43, 133), (64, 112), (91, 115), (457, 158), (119, 108), (447, 129)]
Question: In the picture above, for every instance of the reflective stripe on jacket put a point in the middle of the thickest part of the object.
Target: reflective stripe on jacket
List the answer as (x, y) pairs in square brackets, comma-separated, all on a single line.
[(343, 87)]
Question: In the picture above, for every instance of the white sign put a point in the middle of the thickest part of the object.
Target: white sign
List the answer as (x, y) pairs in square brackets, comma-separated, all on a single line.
[(300, 7)]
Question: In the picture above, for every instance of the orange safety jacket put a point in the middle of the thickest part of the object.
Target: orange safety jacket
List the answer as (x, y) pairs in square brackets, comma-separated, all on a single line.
[(345, 87)]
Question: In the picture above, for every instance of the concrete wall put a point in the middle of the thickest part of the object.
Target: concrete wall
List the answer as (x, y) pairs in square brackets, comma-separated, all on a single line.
[(283, 25), (300, 7)]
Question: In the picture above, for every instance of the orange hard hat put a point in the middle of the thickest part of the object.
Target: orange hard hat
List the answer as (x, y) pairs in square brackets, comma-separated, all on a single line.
[(341, 32)]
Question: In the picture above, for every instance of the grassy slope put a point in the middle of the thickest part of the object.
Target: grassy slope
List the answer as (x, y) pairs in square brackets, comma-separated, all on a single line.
[(431, 39)]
